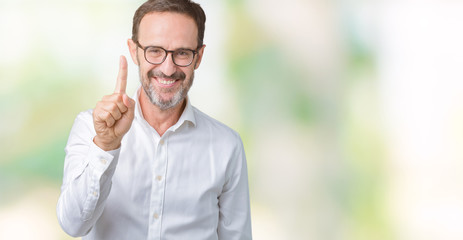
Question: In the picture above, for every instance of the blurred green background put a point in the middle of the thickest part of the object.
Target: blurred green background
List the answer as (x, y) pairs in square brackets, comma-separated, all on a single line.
[(350, 111)]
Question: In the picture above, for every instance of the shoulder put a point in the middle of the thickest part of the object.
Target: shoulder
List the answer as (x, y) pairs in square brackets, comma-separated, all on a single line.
[(216, 128)]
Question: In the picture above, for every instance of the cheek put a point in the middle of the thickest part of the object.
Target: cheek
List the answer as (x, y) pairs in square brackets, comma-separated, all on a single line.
[(190, 71), (145, 68)]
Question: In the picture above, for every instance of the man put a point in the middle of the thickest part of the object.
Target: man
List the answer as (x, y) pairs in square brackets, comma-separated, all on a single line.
[(155, 167)]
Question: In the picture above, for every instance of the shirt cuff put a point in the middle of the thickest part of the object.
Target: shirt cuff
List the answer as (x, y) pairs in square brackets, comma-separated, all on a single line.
[(101, 160)]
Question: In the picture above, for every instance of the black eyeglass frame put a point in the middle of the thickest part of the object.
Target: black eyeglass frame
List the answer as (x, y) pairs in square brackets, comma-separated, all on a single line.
[(167, 53)]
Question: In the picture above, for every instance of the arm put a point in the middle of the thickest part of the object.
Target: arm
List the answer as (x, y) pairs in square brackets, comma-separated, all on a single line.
[(91, 157), (235, 216), (86, 181)]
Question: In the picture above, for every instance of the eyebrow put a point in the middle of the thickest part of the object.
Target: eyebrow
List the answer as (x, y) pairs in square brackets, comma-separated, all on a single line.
[(155, 45)]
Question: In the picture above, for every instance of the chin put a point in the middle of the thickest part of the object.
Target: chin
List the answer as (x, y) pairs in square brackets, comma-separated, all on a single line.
[(165, 104)]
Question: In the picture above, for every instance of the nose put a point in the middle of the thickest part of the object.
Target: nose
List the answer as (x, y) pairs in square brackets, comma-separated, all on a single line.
[(168, 67)]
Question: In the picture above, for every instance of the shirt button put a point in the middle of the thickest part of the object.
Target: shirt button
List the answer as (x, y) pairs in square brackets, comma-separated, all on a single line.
[(95, 194), (159, 178), (161, 142), (103, 161), (156, 216)]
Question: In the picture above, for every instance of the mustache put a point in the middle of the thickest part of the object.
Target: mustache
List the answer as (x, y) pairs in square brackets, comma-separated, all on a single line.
[(175, 75)]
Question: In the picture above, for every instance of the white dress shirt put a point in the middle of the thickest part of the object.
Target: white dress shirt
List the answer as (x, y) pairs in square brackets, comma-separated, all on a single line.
[(190, 184)]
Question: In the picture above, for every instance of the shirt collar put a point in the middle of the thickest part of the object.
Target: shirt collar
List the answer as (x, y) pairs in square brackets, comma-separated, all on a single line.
[(187, 115)]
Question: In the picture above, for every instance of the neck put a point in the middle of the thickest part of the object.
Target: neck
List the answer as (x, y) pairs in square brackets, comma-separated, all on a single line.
[(159, 119)]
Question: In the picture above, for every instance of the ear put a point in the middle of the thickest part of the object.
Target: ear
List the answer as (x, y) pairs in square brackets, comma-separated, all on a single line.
[(200, 56), (133, 48)]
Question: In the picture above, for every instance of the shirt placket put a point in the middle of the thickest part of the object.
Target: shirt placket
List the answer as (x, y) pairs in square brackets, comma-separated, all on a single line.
[(158, 185)]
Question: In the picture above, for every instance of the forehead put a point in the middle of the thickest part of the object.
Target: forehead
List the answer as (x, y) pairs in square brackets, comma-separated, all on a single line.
[(169, 30)]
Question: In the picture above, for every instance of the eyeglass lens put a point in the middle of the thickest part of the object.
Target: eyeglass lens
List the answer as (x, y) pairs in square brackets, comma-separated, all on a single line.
[(157, 55)]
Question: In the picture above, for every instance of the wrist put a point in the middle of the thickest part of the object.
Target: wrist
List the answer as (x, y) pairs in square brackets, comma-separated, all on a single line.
[(106, 145)]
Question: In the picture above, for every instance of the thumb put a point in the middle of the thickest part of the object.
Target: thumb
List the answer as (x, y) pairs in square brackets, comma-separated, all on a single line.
[(130, 103), (124, 124)]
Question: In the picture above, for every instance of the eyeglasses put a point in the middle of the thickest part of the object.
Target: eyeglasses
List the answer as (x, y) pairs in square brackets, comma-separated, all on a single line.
[(156, 55)]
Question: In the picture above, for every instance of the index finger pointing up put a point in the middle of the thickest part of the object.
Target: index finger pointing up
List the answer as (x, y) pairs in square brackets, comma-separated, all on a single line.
[(121, 76)]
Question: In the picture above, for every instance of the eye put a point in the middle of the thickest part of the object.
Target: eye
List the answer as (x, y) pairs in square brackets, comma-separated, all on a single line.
[(155, 51), (183, 53)]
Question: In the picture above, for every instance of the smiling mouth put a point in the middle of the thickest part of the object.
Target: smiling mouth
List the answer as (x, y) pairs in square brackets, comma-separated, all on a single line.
[(166, 82)]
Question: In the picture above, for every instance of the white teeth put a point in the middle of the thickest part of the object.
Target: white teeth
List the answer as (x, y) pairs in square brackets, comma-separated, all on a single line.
[(166, 82)]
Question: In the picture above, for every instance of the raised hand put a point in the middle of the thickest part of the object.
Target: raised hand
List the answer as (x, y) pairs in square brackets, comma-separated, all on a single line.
[(113, 115)]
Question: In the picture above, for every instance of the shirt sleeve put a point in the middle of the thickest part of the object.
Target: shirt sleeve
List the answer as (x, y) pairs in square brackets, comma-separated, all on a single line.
[(234, 215), (86, 179)]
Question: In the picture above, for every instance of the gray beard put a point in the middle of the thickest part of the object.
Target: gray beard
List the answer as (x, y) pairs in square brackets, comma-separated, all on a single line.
[(163, 104)]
